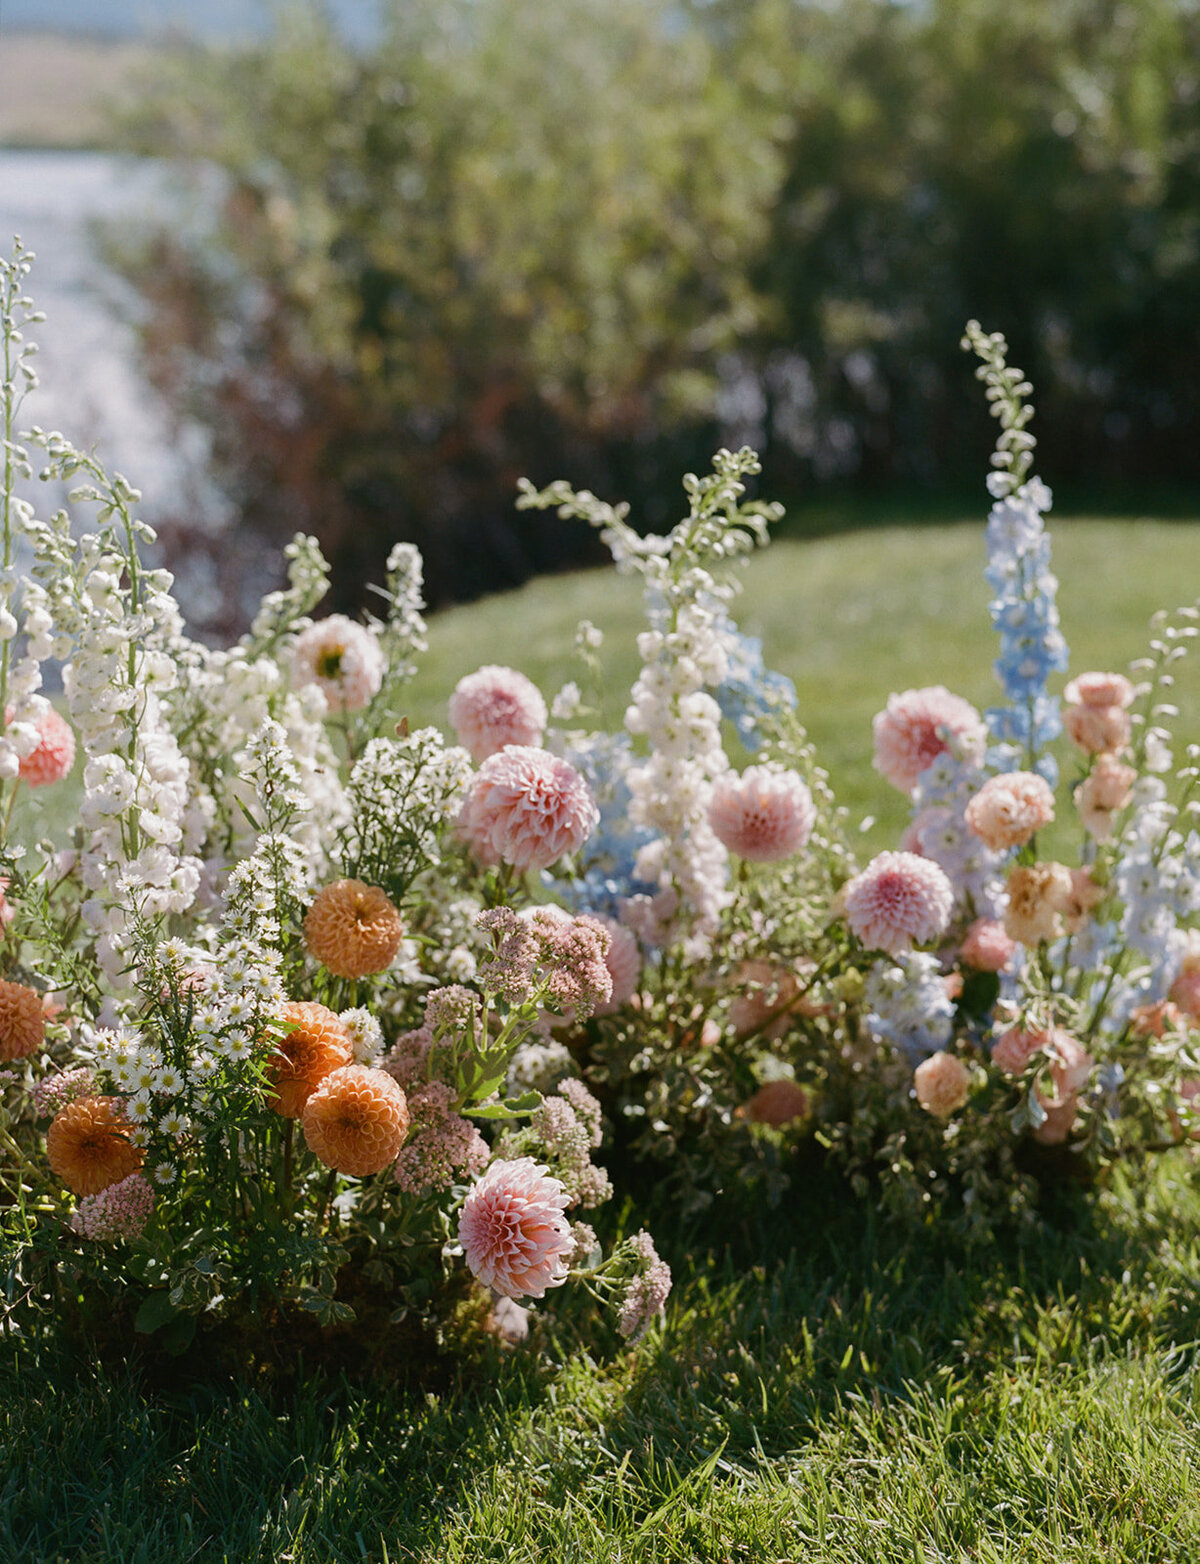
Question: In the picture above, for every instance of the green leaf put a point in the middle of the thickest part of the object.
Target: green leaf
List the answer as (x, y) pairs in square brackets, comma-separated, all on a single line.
[(156, 1311), (514, 1108)]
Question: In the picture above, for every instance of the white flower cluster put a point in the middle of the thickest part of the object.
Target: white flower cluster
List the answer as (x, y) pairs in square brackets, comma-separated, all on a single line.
[(404, 794), (688, 588)]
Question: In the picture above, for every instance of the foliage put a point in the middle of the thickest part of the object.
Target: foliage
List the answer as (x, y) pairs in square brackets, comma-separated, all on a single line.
[(604, 240)]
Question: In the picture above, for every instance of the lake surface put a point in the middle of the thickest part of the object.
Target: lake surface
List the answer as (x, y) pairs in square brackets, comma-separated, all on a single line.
[(215, 19), (91, 386)]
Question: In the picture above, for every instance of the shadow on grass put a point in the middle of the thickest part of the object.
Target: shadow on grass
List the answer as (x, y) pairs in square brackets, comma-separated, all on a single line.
[(783, 1324)]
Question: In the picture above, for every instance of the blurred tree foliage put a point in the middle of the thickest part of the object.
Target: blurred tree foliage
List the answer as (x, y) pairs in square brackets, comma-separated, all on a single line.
[(592, 237)]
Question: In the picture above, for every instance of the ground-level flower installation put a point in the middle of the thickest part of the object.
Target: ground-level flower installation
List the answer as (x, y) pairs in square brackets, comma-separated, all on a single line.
[(307, 1004), (260, 1006)]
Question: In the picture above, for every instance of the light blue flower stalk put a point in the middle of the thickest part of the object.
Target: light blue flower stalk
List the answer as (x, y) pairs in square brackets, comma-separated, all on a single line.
[(750, 690), (1018, 571)]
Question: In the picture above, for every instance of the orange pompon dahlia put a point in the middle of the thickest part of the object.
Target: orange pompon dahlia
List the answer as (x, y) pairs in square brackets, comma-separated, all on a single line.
[(22, 1021), (352, 929), (356, 1120), (87, 1145), (317, 1044)]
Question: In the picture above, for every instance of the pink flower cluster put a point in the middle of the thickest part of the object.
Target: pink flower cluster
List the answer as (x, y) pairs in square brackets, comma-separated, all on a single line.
[(53, 1092), (528, 809), (494, 707), (646, 1296), (407, 1059), (513, 1232), (120, 1211), (987, 948), (1009, 809), (1103, 793), (568, 1128), (53, 756), (1095, 717), (441, 1144), (1070, 1067), (918, 726), (764, 815), (1185, 990), (548, 950), (898, 901), (942, 1083)]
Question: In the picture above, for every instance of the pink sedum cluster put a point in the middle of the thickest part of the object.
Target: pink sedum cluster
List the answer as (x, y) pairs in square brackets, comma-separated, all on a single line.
[(547, 948), (528, 809), (917, 726), (343, 659), (898, 901), (764, 815), (647, 1294), (514, 1235), (494, 707), (53, 1092), (120, 1211), (441, 1146), (1009, 809)]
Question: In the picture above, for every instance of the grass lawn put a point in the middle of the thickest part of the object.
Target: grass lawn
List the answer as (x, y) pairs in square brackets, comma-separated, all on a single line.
[(826, 1388)]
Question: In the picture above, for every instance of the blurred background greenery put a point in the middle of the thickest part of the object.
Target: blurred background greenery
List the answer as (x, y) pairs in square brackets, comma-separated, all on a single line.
[(485, 238)]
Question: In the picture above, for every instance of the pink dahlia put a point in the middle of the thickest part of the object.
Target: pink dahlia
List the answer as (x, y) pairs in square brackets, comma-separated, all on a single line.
[(513, 1232), (763, 815), (496, 706), (342, 658), (917, 727), (1009, 809), (1185, 990), (623, 958), (898, 901), (527, 808), (987, 948), (54, 754)]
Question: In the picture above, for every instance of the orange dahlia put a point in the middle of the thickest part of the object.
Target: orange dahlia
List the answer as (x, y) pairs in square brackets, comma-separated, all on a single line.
[(356, 1120), (22, 1021), (317, 1045), (87, 1145), (352, 929)]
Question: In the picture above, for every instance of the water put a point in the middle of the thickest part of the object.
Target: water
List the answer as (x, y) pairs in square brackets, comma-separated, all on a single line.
[(213, 19), (90, 384)]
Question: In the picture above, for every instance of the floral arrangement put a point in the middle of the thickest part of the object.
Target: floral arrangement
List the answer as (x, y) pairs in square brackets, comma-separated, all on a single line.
[(262, 995), (304, 1009)]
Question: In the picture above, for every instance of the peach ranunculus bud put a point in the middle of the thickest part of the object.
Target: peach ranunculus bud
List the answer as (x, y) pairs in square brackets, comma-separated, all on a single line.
[(777, 1103), (1085, 894), (943, 1084), (1060, 1116), (1103, 793), (1097, 728), (1038, 896), (1099, 690), (1185, 990), (987, 948), (356, 1120), (317, 1045), (1070, 1063), (1009, 809), (352, 929), (1015, 1048)]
